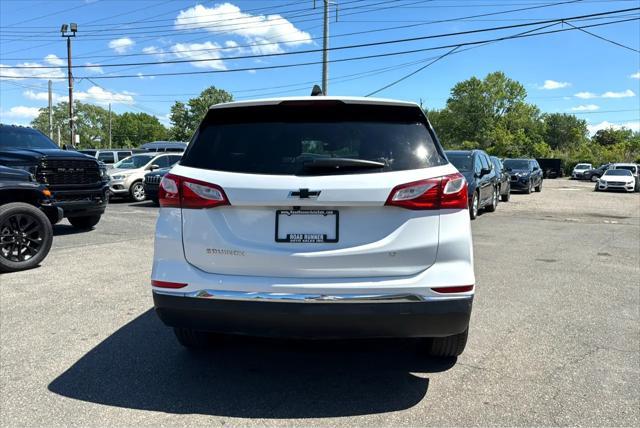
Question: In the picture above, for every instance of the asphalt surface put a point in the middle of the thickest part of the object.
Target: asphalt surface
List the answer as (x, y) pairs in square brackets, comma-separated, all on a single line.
[(554, 337)]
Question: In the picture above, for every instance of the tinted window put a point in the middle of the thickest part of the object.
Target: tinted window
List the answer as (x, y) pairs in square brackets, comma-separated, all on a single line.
[(162, 161), (618, 172), (462, 161), (174, 159), (516, 164), (133, 162), (485, 161), (122, 155), (24, 138), (291, 139), (631, 168), (106, 157), (477, 164), (497, 165)]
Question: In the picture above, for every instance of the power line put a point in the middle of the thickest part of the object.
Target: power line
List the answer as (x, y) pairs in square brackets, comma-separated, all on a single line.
[(387, 54), (603, 38), (353, 46), (422, 23)]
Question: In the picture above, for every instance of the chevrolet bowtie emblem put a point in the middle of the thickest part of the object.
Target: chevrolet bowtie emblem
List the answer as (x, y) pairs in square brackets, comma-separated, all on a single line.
[(304, 194)]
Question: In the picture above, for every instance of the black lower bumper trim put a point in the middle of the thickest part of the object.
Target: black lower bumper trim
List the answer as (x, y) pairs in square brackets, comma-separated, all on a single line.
[(316, 320)]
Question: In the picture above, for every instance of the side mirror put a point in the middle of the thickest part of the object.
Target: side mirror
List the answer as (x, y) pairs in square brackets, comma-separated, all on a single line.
[(484, 171), (535, 168), (153, 167)]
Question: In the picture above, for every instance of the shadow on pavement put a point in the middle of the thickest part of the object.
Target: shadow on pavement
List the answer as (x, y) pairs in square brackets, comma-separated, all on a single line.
[(141, 366), (67, 229)]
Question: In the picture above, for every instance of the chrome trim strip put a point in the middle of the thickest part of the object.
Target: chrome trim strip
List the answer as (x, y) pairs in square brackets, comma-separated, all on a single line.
[(306, 298)]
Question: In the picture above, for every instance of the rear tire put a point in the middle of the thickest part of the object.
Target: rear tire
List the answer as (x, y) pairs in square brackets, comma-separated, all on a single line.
[(85, 222), (450, 346), (494, 201), (507, 196), (25, 236), (192, 339), (474, 206)]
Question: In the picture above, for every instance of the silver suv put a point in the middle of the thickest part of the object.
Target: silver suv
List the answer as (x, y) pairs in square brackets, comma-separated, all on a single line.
[(127, 176)]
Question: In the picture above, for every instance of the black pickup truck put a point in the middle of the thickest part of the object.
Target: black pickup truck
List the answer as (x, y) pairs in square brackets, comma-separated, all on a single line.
[(79, 183)]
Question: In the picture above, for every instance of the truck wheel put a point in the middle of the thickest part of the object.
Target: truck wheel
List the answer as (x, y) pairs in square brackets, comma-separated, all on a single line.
[(474, 206), (507, 196), (539, 187), (494, 201), (137, 191), (25, 236), (192, 339), (84, 222), (450, 346)]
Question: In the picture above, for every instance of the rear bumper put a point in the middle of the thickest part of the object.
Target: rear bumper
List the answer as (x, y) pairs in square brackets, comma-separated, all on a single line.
[(316, 320)]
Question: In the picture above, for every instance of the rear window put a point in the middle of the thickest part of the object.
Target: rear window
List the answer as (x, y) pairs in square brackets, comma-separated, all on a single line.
[(296, 138)]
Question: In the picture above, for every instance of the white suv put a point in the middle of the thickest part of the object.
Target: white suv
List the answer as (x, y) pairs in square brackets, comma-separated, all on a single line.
[(315, 217)]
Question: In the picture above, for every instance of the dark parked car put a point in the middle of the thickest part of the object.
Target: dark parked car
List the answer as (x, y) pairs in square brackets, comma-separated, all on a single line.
[(503, 178), (595, 173), (477, 168), (152, 181), (525, 174), (26, 214), (79, 183), (551, 167)]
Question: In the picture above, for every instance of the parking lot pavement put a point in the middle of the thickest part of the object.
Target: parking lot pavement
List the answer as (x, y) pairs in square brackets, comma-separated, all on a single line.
[(554, 339)]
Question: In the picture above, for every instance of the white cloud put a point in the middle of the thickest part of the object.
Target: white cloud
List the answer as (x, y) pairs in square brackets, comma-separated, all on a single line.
[(200, 51), (155, 51), (586, 95), (94, 68), (552, 84), (623, 94), (635, 75), (19, 114), (43, 96), (121, 45), (273, 32), (101, 96), (52, 59), (24, 73), (634, 126), (586, 107)]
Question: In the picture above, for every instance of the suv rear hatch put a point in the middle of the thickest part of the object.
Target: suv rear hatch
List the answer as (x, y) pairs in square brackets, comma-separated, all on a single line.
[(302, 189)]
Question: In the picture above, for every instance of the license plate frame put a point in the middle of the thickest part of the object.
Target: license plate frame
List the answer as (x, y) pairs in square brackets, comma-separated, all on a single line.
[(307, 238)]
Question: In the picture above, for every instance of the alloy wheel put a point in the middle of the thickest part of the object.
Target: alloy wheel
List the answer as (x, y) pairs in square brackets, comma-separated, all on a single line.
[(21, 237), (138, 192)]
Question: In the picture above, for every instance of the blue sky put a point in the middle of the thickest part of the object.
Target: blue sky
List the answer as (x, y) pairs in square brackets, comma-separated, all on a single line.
[(569, 72)]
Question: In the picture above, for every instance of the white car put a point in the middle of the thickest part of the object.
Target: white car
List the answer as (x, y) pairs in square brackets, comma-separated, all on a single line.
[(580, 169), (634, 168), (315, 217), (616, 179), (127, 176)]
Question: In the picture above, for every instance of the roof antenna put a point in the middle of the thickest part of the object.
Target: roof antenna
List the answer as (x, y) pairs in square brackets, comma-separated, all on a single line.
[(316, 91)]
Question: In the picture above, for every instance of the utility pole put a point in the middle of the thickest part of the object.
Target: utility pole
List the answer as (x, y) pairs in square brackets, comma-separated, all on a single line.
[(325, 44), (58, 135), (109, 125), (50, 112), (74, 28)]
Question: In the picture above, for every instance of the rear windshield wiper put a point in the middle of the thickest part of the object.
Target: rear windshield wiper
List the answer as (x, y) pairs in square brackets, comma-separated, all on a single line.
[(342, 163)]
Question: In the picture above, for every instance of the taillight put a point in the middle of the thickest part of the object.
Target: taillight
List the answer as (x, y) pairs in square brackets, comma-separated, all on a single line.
[(168, 284), (449, 191), (184, 192), (455, 289)]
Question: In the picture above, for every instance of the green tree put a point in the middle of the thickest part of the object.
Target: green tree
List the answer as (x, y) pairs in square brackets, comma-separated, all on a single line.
[(135, 129), (186, 118), (564, 131), (91, 123), (611, 136)]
